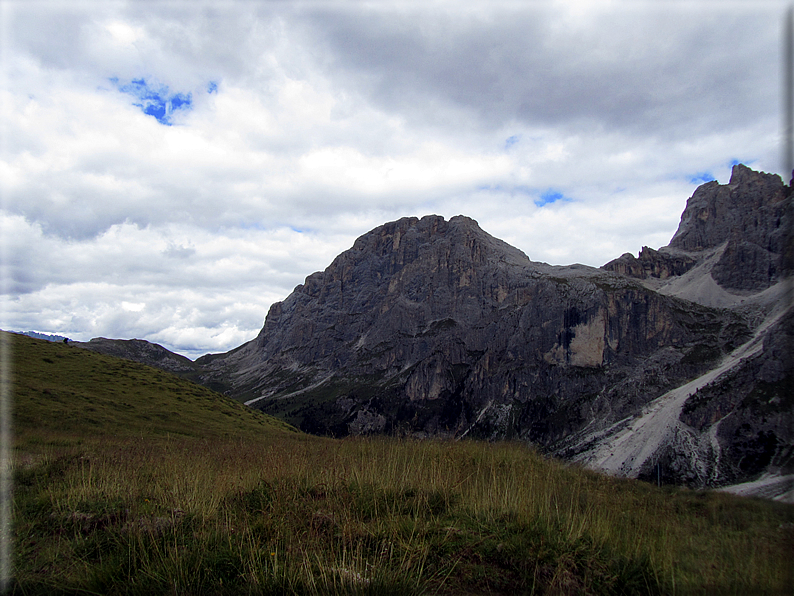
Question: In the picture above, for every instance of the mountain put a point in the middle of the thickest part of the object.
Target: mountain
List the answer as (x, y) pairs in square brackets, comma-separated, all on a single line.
[(142, 351), (671, 366), (733, 249), (45, 336), (435, 328)]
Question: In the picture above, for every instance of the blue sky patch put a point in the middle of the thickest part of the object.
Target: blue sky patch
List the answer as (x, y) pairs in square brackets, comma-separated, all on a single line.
[(511, 141), (155, 99), (540, 198), (212, 87), (549, 196), (701, 177)]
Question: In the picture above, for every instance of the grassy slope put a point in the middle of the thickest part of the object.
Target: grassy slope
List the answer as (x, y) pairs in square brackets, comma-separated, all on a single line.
[(139, 500), (66, 390)]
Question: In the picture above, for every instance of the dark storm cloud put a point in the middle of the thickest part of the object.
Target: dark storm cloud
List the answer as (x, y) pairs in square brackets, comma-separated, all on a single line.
[(668, 69)]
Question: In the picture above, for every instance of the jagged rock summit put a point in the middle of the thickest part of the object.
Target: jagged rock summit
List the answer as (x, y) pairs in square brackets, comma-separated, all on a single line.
[(733, 249), (738, 233)]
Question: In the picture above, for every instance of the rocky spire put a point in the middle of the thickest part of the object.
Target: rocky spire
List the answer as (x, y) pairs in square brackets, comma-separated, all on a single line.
[(749, 205)]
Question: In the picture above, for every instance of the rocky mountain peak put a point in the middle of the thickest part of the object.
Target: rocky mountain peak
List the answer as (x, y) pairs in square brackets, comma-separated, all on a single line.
[(749, 205), (411, 258), (407, 239), (399, 277), (738, 232)]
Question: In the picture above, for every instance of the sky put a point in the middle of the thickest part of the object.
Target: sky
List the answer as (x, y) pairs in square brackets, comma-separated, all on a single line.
[(171, 169)]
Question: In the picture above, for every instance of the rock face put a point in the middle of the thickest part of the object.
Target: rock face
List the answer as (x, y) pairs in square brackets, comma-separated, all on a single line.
[(671, 366), (651, 263), (748, 410), (434, 328), (751, 215), (748, 220)]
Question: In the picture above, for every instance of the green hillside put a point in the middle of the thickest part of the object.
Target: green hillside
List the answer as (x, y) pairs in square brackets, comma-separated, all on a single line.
[(64, 390), (130, 481)]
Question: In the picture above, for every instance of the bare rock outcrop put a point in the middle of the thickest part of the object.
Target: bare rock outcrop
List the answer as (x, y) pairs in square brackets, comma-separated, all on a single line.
[(651, 263), (748, 221), (752, 215), (430, 327), (749, 410)]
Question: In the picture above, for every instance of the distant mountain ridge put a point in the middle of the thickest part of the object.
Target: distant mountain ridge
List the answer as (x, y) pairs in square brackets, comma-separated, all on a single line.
[(673, 365), (142, 351), (45, 336)]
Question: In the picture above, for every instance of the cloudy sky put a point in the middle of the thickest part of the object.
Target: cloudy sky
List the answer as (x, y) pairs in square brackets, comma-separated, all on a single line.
[(169, 170)]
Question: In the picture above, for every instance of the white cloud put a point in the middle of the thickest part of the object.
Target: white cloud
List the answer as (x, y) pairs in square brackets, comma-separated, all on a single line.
[(311, 123)]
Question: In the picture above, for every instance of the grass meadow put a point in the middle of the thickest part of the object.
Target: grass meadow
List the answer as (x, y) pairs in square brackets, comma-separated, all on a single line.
[(211, 499)]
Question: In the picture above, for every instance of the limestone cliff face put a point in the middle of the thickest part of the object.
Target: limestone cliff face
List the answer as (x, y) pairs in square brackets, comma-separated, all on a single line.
[(749, 203), (747, 413), (434, 328)]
